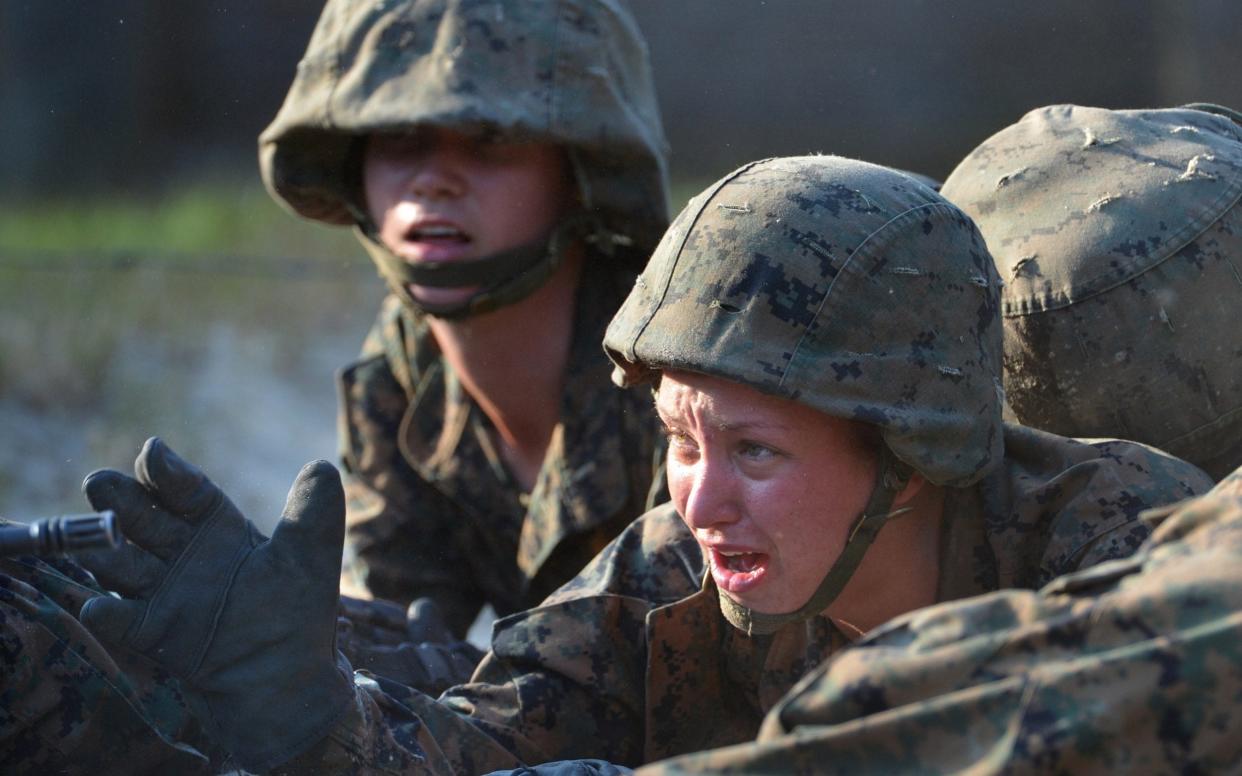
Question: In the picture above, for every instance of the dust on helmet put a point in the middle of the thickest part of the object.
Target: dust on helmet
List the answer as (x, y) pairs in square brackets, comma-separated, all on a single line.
[(1119, 236), (845, 286), (574, 73)]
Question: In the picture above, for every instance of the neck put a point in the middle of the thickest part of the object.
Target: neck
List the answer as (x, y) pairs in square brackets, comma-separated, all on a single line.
[(512, 362), (901, 570)]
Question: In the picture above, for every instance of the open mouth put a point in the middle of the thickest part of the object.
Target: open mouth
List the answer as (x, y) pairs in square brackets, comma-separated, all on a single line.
[(741, 562), (738, 571), (439, 234)]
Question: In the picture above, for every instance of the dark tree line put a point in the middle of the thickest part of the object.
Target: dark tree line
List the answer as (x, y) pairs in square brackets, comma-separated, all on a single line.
[(138, 93)]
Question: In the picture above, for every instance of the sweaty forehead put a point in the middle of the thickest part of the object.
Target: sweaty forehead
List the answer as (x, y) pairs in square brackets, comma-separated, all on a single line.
[(710, 403), (723, 404)]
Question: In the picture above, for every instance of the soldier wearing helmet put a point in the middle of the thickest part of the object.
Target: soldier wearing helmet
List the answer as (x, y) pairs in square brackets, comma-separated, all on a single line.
[(824, 338), (1113, 669), (504, 165), (1119, 236)]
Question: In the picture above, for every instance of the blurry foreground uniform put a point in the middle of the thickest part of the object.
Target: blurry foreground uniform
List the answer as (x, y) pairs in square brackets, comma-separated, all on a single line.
[(1119, 237), (634, 660), (433, 511), (66, 704), (1134, 666)]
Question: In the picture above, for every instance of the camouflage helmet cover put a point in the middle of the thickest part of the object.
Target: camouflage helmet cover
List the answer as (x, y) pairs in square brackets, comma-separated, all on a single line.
[(570, 72), (1119, 236), (845, 286)]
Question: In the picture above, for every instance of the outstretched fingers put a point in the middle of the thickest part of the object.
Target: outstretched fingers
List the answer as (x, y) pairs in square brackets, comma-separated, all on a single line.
[(143, 521), (180, 487)]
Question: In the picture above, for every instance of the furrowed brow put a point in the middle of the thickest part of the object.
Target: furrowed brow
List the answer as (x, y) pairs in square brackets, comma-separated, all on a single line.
[(742, 426)]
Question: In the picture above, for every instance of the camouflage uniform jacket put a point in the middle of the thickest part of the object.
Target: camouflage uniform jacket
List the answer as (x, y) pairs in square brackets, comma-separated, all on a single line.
[(69, 706), (432, 509), (632, 660), (1128, 667)]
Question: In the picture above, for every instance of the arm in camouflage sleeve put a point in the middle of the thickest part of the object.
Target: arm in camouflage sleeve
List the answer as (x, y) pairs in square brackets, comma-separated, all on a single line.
[(393, 729), (1132, 666), (563, 680), (69, 706), (546, 693)]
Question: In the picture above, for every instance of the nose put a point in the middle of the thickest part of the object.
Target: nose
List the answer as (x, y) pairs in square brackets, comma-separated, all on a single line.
[(437, 175), (707, 492)]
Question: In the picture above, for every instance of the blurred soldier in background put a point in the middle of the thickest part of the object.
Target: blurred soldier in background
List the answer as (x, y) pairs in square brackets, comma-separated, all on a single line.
[(504, 165), (825, 338), (1119, 237)]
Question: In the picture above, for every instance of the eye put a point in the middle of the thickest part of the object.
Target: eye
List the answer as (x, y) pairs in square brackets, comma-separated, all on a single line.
[(679, 442), (675, 438), (400, 148), (755, 451), (492, 144), (489, 135)]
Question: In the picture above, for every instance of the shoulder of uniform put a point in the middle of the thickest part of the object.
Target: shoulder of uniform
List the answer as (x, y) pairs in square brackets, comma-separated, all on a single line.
[(655, 558), (365, 378), (1114, 464), (402, 339), (1084, 497)]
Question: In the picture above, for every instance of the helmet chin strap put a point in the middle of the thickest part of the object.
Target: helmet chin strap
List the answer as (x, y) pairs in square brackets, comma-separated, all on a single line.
[(892, 475), (503, 278)]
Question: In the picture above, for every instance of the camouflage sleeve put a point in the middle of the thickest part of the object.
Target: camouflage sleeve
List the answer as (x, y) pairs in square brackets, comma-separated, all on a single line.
[(69, 706), (564, 680), (550, 689), (396, 730), (394, 549), (568, 679), (1132, 666)]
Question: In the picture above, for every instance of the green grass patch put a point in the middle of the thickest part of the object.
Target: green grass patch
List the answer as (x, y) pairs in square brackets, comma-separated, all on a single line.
[(205, 218), (236, 218)]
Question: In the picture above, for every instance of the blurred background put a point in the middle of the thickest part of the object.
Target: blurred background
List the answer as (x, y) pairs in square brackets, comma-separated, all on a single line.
[(148, 285)]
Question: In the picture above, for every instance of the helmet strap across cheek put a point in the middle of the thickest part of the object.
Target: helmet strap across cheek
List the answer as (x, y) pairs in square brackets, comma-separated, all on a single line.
[(892, 475)]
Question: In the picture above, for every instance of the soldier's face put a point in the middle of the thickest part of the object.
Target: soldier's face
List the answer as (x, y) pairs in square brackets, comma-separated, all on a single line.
[(441, 195), (768, 486)]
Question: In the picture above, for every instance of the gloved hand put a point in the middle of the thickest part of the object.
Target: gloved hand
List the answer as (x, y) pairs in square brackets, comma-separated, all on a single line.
[(413, 647), (247, 623)]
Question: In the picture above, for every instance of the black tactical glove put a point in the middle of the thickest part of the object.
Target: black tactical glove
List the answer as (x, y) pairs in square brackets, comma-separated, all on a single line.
[(413, 646), (247, 623)]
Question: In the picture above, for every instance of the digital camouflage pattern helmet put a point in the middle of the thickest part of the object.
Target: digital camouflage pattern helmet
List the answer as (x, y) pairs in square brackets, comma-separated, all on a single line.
[(1119, 236), (574, 73), (842, 285), (847, 287)]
